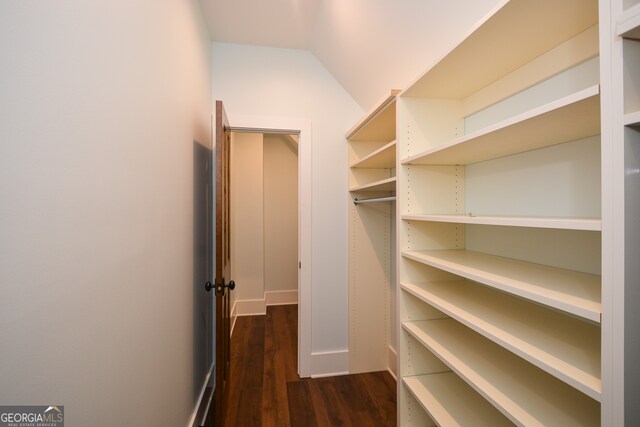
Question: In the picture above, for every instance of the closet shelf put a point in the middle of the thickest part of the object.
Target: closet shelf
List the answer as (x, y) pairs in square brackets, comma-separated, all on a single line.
[(450, 401), (502, 43), (379, 124), (561, 345), (632, 119), (383, 158), (522, 392), (569, 291), (388, 184), (629, 23), (570, 118), (586, 224)]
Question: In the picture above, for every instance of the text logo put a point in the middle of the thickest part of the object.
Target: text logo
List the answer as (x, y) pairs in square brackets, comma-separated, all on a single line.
[(32, 416)]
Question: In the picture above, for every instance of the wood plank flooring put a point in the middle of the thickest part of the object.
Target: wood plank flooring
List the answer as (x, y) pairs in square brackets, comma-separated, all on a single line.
[(265, 388)]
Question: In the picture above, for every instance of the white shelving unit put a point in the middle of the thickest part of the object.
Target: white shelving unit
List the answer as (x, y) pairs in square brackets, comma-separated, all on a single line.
[(621, 209), (372, 191), (501, 224)]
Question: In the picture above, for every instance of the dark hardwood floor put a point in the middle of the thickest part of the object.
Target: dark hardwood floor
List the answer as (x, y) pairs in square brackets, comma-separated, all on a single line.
[(266, 390)]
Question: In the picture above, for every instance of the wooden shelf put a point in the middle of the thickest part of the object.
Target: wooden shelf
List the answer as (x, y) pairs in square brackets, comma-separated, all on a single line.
[(570, 118), (629, 23), (388, 184), (379, 124), (522, 392), (632, 119), (511, 35), (449, 401), (383, 158), (585, 224), (563, 346), (569, 291)]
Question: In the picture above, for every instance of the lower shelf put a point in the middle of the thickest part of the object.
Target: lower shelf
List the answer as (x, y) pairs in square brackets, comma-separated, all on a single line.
[(449, 401), (564, 346), (524, 393)]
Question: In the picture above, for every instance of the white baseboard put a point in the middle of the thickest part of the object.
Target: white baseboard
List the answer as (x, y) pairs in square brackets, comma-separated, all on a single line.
[(392, 357), (329, 364), (194, 414), (258, 307), (251, 307), (234, 316), (281, 297)]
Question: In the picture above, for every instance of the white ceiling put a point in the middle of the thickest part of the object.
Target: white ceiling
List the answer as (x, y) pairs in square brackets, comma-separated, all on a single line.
[(370, 46), (274, 23)]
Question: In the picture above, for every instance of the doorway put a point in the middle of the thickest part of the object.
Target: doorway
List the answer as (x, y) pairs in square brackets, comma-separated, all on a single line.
[(264, 220), (301, 128)]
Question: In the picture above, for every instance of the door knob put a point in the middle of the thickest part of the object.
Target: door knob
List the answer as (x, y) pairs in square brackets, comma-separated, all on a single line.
[(220, 287)]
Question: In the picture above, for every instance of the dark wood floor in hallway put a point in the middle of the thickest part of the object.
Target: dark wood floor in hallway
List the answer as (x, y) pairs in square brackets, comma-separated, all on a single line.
[(266, 390)]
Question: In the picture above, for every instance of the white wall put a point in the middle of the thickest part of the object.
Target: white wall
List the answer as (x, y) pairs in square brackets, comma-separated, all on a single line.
[(280, 213), (101, 103), (247, 215), (259, 81)]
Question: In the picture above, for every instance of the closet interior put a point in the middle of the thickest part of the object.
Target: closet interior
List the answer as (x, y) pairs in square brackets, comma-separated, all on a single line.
[(372, 192), (516, 178)]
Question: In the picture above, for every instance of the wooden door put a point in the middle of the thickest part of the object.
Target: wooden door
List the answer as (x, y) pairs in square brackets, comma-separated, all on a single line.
[(223, 282)]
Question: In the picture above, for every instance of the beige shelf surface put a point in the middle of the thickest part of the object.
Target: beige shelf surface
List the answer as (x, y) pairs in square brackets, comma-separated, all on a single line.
[(513, 34), (628, 25), (563, 346), (632, 119), (521, 391), (449, 401), (570, 118), (383, 158), (388, 184), (586, 224), (379, 124), (569, 291)]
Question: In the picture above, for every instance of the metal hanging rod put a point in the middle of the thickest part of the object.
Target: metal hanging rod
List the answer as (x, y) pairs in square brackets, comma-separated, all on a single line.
[(375, 200), (264, 130)]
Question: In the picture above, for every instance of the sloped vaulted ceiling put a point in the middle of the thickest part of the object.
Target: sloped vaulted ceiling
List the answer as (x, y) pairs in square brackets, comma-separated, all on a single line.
[(370, 46)]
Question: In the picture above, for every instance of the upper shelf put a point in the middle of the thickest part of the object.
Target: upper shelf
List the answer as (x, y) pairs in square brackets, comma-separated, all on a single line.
[(384, 157), (511, 35), (632, 119), (585, 224), (388, 184), (573, 117), (629, 23), (569, 291), (379, 124)]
